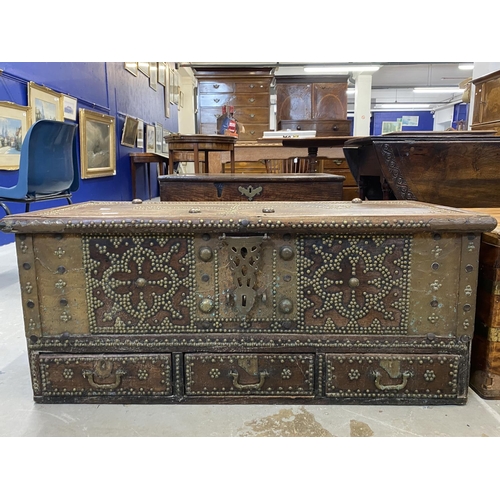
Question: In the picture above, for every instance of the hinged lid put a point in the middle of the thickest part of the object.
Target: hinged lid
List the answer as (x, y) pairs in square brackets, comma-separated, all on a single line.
[(250, 217)]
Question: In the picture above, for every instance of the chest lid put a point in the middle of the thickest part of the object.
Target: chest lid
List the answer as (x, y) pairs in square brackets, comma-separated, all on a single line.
[(250, 217)]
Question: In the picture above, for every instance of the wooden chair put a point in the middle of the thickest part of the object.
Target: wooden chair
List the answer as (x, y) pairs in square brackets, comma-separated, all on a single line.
[(295, 165)]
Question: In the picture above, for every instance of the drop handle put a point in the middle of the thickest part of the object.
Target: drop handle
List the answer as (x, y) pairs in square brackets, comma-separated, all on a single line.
[(89, 375), (262, 378), (394, 387), (216, 100), (299, 127), (335, 127), (216, 85)]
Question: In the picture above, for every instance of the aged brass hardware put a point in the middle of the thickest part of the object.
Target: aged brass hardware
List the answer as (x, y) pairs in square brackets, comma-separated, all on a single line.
[(258, 385), (103, 370), (250, 192)]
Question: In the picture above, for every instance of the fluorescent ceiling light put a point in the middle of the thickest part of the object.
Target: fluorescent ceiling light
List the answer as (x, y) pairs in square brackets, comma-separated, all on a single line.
[(339, 69), (402, 106), (466, 66), (438, 90), (350, 91)]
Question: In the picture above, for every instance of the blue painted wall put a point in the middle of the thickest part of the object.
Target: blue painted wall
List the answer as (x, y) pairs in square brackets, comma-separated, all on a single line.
[(105, 87), (425, 120)]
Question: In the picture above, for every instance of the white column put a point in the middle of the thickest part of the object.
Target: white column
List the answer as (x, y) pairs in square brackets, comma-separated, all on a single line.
[(362, 105)]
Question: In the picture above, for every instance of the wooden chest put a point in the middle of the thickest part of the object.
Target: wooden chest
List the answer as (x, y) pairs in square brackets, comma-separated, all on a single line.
[(251, 187), (485, 364), (249, 302)]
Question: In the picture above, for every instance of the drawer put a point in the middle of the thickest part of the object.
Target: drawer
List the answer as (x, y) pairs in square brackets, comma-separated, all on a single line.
[(324, 128), (218, 100), (254, 87), (252, 132), (215, 87), (244, 374), (242, 114), (130, 375), (408, 376)]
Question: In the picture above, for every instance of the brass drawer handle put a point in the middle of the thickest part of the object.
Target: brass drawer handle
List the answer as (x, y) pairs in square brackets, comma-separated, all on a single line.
[(216, 100), (250, 192), (338, 162), (252, 132), (396, 387), (252, 116), (251, 85), (251, 99), (216, 85), (89, 374), (262, 378)]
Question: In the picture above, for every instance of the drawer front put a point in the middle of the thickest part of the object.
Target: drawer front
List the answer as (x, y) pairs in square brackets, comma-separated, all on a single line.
[(254, 87), (252, 132), (245, 115), (214, 100), (325, 128), (214, 87), (130, 375), (370, 376), (243, 375)]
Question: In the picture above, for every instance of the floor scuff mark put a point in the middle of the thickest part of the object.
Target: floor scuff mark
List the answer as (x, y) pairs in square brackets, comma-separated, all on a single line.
[(360, 429), (286, 423)]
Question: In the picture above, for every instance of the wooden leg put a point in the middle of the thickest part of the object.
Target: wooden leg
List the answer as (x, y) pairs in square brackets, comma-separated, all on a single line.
[(232, 160), (170, 162), (133, 173), (197, 168), (206, 162), (313, 159), (148, 178)]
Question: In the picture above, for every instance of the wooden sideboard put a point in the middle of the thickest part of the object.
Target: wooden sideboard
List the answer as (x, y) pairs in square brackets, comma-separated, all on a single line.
[(254, 302)]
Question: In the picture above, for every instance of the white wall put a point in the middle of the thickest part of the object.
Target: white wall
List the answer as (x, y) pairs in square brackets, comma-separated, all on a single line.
[(187, 112), (443, 118)]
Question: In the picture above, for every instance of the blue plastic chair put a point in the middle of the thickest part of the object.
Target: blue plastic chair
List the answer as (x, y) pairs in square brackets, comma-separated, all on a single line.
[(48, 166)]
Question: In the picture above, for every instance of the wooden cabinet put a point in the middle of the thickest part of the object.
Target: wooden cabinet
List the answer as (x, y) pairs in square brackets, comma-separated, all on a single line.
[(486, 112), (325, 302), (318, 103), (249, 93)]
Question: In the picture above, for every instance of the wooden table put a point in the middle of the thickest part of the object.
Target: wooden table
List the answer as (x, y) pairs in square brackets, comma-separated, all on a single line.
[(269, 149), (313, 144), (199, 143), (145, 159)]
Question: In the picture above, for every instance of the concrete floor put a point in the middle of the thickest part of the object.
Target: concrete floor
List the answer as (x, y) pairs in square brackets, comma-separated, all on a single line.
[(21, 417)]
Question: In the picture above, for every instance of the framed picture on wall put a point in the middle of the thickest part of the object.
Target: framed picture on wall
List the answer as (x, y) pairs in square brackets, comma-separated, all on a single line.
[(159, 138), (161, 73), (97, 144), (150, 139), (131, 67), (153, 75), (15, 120), (143, 67), (140, 134), (45, 103), (69, 107), (172, 86), (167, 90), (129, 132)]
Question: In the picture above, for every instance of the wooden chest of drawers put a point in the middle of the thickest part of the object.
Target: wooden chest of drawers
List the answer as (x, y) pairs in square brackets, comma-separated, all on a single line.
[(251, 187), (485, 364), (247, 91), (251, 302)]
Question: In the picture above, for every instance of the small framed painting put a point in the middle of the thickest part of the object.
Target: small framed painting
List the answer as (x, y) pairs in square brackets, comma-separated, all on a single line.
[(161, 73), (159, 138), (129, 132), (45, 103), (97, 144), (140, 134), (14, 123), (153, 75), (143, 67), (150, 139), (69, 107), (131, 67)]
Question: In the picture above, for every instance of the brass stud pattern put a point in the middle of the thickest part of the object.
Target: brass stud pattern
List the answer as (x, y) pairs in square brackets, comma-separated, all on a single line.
[(138, 283), (343, 280)]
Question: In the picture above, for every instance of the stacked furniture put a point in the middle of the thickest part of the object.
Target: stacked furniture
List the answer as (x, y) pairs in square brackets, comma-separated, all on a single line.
[(486, 109)]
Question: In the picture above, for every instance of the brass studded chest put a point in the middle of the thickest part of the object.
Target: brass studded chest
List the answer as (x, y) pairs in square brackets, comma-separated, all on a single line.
[(249, 302)]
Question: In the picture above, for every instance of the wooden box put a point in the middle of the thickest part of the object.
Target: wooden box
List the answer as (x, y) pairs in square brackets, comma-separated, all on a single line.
[(485, 364), (251, 187), (249, 302)]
